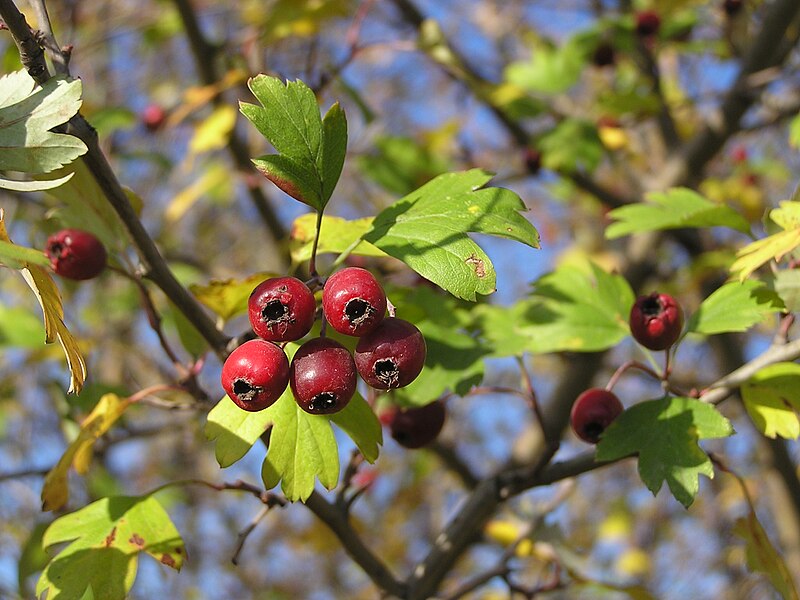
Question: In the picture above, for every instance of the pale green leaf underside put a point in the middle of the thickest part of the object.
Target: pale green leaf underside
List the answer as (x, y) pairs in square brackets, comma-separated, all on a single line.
[(32, 186), (27, 113), (772, 402), (734, 307), (664, 433), (428, 229), (673, 209)]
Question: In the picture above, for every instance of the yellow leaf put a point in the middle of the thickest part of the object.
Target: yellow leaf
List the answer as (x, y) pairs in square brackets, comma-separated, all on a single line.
[(787, 216), (634, 562), (228, 297), (210, 181), (43, 286), (616, 526), (214, 131), (760, 252), (502, 531), (613, 138), (55, 492), (337, 236)]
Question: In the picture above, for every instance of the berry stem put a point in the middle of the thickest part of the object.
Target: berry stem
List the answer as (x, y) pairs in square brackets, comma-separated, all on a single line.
[(312, 262), (631, 364), (530, 393)]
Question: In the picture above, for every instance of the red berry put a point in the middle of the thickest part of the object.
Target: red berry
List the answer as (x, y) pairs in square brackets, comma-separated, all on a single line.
[(255, 375), (604, 55), (76, 254), (417, 427), (153, 117), (392, 355), (281, 309), (656, 321), (648, 22), (592, 412), (353, 301), (533, 161), (322, 376)]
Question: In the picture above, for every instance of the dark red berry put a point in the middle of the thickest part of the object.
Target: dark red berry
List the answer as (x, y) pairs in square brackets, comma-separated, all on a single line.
[(392, 355), (281, 309), (648, 22), (533, 161), (604, 55), (322, 376), (656, 321), (76, 254), (255, 374), (353, 301), (153, 117), (592, 412), (416, 427), (732, 7)]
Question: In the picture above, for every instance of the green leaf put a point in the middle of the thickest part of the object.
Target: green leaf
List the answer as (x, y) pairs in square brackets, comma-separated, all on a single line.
[(32, 186), (302, 446), (673, 209), (573, 145), (400, 164), (428, 229), (551, 69), (787, 285), (235, 430), (15, 256), (311, 150), (734, 307), (105, 539), (570, 310), (338, 235), (27, 114), (32, 558), (664, 433), (772, 401)]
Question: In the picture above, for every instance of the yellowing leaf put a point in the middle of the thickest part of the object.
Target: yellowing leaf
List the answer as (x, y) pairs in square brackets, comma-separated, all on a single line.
[(213, 179), (613, 138), (214, 131), (55, 492), (615, 526), (634, 562), (771, 399), (502, 531), (228, 297), (338, 235), (760, 252), (39, 280)]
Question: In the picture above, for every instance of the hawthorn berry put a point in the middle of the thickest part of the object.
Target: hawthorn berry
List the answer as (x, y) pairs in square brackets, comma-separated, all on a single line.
[(592, 412), (153, 117), (322, 376), (648, 22), (76, 254), (392, 355), (255, 375), (416, 427), (656, 321), (604, 55), (353, 301), (281, 309)]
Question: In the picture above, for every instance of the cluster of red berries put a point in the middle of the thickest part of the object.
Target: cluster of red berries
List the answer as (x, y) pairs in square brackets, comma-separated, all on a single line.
[(76, 254), (323, 374), (656, 322)]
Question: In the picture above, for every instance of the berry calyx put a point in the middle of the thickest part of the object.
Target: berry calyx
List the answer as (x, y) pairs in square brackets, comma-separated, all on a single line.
[(281, 309), (416, 427), (255, 375), (76, 254), (648, 22), (592, 412), (656, 321), (353, 301), (322, 376), (391, 356)]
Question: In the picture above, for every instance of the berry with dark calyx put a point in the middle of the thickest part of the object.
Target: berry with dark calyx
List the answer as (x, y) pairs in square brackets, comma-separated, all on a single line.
[(732, 7), (153, 117), (533, 161), (648, 22), (656, 321), (604, 55), (353, 301), (416, 427), (255, 375), (391, 356), (322, 376), (592, 412), (76, 254), (281, 309)]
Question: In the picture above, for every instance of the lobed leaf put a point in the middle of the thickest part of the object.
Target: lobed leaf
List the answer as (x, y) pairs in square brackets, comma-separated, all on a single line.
[(676, 208), (664, 433), (337, 236), (104, 540), (734, 307), (770, 397), (428, 229)]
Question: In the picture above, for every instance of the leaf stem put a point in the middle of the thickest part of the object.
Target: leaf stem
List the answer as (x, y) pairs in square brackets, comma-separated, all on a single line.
[(312, 262)]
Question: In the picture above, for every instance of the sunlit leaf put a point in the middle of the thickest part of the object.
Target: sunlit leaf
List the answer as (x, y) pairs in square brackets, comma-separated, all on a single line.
[(337, 235), (673, 209), (572, 145), (428, 230), (664, 433), (55, 492), (550, 69), (104, 540), (773, 247), (228, 297), (213, 132), (772, 400), (734, 307)]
